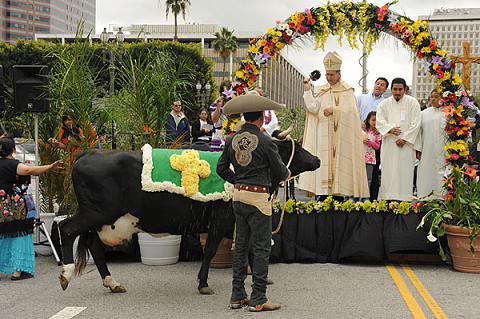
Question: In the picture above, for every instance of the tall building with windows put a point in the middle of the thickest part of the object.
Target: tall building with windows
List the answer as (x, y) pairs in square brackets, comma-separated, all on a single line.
[(450, 27), (22, 19), (281, 80)]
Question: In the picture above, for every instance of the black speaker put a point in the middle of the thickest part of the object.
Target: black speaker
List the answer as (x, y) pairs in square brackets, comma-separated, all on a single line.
[(2, 90), (30, 86)]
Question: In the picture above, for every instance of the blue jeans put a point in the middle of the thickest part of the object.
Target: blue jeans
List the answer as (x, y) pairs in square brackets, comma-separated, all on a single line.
[(255, 228)]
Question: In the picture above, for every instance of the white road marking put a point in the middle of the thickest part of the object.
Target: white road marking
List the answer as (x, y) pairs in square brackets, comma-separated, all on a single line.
[(68, 313)]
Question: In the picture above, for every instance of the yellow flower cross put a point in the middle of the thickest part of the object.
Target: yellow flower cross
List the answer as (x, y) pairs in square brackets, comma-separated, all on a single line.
[(192, 169)]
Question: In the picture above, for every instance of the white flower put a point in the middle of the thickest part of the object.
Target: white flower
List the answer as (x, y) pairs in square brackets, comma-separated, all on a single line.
[(446, 93), (289, 32), (421, 223), (431, 238)]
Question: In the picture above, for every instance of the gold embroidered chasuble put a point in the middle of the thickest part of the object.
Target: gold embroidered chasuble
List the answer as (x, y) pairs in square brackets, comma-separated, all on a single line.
[(337, 140)]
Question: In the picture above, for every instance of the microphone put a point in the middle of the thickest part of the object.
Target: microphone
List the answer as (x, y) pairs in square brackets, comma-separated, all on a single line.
[(315, 75)]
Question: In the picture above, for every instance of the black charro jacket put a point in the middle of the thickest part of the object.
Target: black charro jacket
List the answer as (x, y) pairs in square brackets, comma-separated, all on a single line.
[(254, 157)]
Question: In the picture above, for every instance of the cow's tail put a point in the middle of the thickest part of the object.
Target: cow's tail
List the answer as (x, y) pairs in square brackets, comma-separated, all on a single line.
[(82, 251)]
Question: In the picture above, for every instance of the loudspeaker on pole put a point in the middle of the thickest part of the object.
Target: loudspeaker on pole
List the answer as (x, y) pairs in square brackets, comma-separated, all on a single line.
[(30, 87)]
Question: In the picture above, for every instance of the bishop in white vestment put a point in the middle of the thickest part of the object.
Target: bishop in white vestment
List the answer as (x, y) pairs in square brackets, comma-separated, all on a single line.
[(430, 143), (398, 121), (333, 133)]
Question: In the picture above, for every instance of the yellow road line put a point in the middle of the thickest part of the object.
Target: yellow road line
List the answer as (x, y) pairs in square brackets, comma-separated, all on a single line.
[(407, 296), (431, 303)]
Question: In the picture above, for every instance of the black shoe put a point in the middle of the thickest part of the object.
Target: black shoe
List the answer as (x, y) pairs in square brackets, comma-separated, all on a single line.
[(23, 275)]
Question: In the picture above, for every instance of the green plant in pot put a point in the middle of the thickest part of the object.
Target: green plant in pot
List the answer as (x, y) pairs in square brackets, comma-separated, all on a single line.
[(457, 215)]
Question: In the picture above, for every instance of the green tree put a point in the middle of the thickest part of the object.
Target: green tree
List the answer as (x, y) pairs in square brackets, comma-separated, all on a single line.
[(176, 7), (225, 43)]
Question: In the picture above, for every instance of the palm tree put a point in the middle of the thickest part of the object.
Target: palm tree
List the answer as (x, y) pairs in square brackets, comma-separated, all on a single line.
[(177, 7), (225, 44)]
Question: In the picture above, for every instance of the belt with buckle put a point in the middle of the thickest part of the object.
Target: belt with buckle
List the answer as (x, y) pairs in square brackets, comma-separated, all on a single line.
[(252, 188)]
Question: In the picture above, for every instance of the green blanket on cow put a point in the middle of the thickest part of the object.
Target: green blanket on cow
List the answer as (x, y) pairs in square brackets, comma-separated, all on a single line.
[(186, 172)]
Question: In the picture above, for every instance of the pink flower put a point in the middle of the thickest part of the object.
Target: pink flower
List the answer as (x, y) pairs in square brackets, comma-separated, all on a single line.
[(2, 192), (17, 198), (464, 93), (277, 21), (378, 26), (455, 157), (6, 213)]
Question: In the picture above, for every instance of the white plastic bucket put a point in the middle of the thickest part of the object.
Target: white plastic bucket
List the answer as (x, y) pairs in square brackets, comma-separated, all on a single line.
[(159, 251)]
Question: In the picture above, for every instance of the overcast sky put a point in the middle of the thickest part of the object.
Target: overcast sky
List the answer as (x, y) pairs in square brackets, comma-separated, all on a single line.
[(389, 58)]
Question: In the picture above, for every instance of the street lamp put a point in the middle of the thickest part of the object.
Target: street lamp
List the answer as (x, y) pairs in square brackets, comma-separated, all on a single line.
[(104, 36), (203, 93), (120, 36)]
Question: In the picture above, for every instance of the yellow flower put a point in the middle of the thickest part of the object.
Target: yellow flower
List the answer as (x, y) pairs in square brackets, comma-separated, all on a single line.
[(253, 49), (192, 169), (441, 53), (456, 80), (280, 45), (426, 50), (279, 34), (275, 39), (435, 66), (240, 74)]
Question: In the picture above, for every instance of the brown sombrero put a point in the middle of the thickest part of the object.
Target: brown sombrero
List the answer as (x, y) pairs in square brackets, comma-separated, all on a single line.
[(250, 103)]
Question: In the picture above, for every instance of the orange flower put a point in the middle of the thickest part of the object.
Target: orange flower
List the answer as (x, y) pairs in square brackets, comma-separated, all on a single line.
[(450, 185), (266, 50), (449, 110), (147, 129), (471, 172)]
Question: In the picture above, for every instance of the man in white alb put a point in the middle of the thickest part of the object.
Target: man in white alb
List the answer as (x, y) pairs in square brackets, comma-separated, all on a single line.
[(429, 146), (333, 133), (398, 120)]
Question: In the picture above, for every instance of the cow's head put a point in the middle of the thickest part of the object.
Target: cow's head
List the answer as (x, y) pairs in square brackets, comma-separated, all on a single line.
[(302, 160)]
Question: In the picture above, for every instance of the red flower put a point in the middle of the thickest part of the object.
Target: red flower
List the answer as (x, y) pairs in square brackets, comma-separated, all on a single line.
[(6, 213), (449, 197), (452, 97), (455, 156), (439, 74), (433, 45)]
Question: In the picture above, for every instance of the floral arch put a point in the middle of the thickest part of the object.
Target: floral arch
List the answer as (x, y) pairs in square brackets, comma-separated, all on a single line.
[(349, 20)]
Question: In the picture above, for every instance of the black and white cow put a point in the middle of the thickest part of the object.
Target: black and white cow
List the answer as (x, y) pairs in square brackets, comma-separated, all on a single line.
[(112, 207)]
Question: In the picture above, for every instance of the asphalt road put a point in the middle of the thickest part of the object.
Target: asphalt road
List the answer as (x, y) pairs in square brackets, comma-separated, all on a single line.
[(305, 290)]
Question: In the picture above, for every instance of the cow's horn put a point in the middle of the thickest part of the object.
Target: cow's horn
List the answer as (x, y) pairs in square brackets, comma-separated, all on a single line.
[(284, 134)]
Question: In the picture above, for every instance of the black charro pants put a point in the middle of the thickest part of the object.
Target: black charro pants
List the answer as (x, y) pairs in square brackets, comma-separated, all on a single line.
[(254, 228)]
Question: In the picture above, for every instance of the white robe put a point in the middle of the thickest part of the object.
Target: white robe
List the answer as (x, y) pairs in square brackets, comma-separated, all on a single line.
[(430, 142), (273, 125), (398, 162), (337, 141)]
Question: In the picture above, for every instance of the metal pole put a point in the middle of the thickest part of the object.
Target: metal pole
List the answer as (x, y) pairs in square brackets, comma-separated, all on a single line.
[(37, 156), (363, 64), (231, 65), (112, 74), (364, 71)]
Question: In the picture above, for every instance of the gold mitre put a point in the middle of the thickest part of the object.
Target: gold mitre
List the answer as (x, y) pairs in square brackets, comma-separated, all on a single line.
[(332, 61)]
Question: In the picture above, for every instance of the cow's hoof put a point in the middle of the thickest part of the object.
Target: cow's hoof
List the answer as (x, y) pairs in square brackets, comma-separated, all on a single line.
[(118, 289), (206, 291), (63, 282)]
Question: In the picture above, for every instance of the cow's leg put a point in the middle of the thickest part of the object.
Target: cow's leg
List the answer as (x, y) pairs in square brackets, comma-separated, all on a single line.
[(213, 241), (221, 226), (70, 229), (68, 268), (97, 249)]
